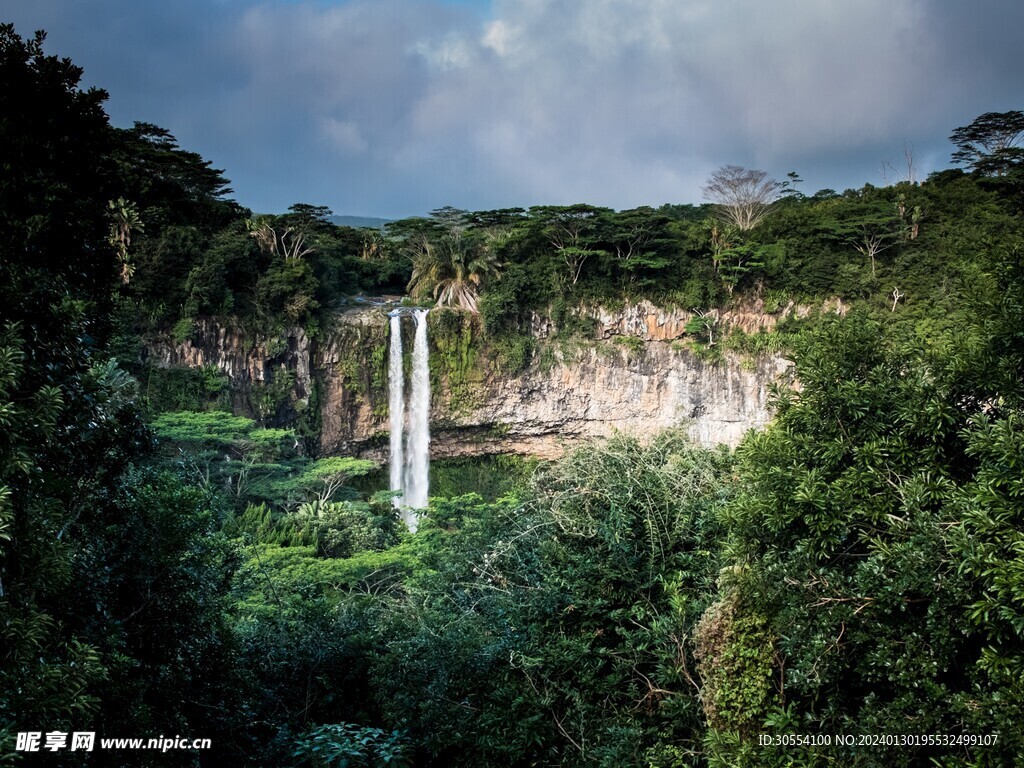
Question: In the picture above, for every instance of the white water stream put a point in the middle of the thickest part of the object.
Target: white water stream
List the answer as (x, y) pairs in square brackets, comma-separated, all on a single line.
[(410, 463), (396, 403)]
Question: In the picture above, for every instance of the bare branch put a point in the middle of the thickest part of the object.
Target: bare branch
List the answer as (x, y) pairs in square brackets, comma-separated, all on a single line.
[(896, 296)]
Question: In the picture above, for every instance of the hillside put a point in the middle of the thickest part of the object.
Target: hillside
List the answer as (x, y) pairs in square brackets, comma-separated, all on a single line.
[(359, 222)]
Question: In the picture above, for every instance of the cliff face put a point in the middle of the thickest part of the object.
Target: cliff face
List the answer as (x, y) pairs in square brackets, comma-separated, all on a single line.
[(601, 388), (535, 398), (260, 368)]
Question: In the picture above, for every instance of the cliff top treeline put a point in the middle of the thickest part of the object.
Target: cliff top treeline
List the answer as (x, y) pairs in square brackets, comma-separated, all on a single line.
[(189, 251), (853, 570)]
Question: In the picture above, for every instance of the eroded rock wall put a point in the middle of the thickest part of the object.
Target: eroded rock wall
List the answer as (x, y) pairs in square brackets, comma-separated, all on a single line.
[(635, 376), (599, 388), (256, 365)]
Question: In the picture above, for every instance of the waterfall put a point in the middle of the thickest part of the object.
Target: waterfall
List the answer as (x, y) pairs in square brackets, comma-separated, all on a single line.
[(396, 403), (410, 463), (418, 447)]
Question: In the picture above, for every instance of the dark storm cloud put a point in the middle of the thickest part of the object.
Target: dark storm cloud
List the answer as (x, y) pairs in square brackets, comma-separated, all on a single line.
[(396, 107), (151, 56)]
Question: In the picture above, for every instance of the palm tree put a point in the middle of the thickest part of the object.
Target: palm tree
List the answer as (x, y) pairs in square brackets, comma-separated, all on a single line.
[(278, 240), (125, 220), (451, 266)]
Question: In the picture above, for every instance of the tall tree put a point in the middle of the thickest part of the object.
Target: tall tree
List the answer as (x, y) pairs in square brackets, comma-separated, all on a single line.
[(989, 144), (742, 196), (870, 227), (86, 551), (57, 273), (875, 525), (452, 267), (124, 221), (278, 240), (171, 185), (572, 232)]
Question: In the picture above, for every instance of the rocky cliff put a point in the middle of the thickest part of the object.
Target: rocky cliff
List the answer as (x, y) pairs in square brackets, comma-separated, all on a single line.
[(534, 396)]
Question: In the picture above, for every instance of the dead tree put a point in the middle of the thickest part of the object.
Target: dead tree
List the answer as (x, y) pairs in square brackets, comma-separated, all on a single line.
[(743, 197), (896, 296)]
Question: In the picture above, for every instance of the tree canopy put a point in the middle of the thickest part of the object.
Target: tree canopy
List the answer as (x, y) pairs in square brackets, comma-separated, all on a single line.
[(989, 144)]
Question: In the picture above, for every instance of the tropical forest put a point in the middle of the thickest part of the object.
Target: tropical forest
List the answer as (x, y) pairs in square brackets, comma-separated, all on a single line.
[(732, 482)]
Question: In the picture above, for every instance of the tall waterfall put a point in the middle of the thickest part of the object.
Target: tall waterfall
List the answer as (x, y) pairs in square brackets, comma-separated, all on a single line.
[(410, 463), (396, 403), (417, 482)]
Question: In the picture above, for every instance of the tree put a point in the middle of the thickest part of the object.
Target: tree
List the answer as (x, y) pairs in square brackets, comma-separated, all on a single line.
[(170, 185), (702, 325), (732, 257), (570, 229), (321, 480), (788, 188), (96, 560), (451, 263), (557, 632), (125, 220), (499, 217), (871, 537), (735, 262), (373, 246), (870, 227), (631, 233), (57, 273), (989, 144), (637, 238), (278, 240), (743, 197), (310, 218), (181, 202), (908, 176)]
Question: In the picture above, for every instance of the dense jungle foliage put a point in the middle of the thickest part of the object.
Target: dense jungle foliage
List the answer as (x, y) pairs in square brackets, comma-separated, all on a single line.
[(170, 568)]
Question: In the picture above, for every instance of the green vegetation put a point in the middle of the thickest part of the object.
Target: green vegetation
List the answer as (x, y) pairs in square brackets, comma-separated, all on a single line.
[(855, 527), (855, 568), (453, 357), (449, 264), (490, 477), (111, 571), (342, 745), (905, 250)]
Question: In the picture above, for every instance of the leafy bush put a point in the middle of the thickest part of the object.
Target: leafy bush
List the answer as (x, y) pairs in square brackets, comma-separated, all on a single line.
[(345, 745)]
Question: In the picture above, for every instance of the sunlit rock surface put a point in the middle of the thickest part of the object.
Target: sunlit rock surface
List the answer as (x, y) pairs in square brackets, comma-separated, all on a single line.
[(634, 375)]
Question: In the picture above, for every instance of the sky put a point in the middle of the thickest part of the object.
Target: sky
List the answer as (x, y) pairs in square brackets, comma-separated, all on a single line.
[(393, 108)]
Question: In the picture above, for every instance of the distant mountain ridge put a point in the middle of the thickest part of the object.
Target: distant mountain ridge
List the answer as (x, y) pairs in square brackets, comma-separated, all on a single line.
[(359, 221)]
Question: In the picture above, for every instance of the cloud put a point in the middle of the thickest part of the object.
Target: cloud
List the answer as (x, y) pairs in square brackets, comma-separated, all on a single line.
[(500, 37), (344, 136), (396, 107), (452, 52)]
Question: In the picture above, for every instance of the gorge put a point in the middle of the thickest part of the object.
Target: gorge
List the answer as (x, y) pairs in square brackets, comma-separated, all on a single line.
[(633, 373), (199, 532)]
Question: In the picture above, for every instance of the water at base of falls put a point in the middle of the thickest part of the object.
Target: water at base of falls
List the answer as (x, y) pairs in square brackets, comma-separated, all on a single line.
[(410, 461)]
